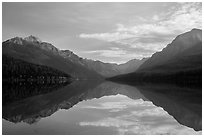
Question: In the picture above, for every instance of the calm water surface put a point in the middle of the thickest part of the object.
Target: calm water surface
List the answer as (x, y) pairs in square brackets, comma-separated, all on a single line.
[(106, 108)]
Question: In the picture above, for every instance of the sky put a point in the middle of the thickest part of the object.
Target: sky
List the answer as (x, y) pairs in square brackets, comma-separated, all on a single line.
[(109, 32)]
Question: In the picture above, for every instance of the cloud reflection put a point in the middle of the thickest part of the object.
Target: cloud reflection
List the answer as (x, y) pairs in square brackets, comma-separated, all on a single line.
[(142, 117)]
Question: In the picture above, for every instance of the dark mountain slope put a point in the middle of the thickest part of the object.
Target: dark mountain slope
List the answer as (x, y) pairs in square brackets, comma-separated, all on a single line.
[(111, 69), (33, 50), (185, 44), (180, 62), (20, 74), (104, 69), (16, 68), (45, 54), (187, 60)]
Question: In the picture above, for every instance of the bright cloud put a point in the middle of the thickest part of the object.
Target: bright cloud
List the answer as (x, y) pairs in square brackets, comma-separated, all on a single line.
[(124, 103), (107, 36), (186, 17), (135, 117), (161, 29), (139, 29), (114, 52), (145, 46), (155, 18), (126, 126)]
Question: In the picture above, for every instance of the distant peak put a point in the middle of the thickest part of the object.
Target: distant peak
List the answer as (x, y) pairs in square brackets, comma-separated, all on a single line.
[(32, 38), (17, 40), (66, 50), (133, 60), (145, 58), (195, 29)]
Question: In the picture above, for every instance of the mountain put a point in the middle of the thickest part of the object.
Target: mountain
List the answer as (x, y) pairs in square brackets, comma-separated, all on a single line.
[(18, 69), (184, 52), (111, 69), (104, 69), (131, 65), (32, 49), (179, 62)]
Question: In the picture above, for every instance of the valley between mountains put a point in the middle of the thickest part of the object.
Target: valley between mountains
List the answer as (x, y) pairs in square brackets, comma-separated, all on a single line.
[(179, 62)]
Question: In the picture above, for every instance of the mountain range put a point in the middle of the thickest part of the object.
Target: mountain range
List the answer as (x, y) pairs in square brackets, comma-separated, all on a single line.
[(31, 49), (180, 62)]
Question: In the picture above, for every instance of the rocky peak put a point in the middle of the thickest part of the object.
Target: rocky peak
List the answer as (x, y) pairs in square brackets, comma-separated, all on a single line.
[(68, 53), (197, 33), (48, 47), (32, 39), (16, 40), (181, 43), (188, 39)]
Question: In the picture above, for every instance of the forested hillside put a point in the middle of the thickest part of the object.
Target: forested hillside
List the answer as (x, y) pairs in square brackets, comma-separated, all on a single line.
[(16, 70)]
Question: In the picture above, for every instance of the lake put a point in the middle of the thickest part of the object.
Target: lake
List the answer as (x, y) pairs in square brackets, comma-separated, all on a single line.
[(105, 108)]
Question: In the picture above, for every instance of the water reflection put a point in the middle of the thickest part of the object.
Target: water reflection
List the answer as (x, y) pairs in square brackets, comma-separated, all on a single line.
[(107, 108), (20, 90), (31, 109), (184, 104)]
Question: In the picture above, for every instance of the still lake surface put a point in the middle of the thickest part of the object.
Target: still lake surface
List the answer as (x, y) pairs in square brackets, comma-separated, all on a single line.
[(91, 107)]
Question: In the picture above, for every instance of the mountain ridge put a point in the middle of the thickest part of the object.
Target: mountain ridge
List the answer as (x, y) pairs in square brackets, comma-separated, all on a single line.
[(104, 69), (45, 54), (178, 45), (180, 62)]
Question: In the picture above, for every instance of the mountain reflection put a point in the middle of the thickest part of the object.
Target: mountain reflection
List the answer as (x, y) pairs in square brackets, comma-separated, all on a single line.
[(31, 109), (185, 105)]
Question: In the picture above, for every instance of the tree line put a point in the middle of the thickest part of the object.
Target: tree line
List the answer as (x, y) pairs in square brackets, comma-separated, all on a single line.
[(18, 70)]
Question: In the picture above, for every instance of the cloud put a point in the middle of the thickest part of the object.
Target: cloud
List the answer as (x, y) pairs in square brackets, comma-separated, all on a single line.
[(186, 17), (133, 117), (121, 105), (112, 52), (133, 124), (115, 52), (72, 25), (146, 47), (160, 30), (107, 36), (155, 17), (108, 122)]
